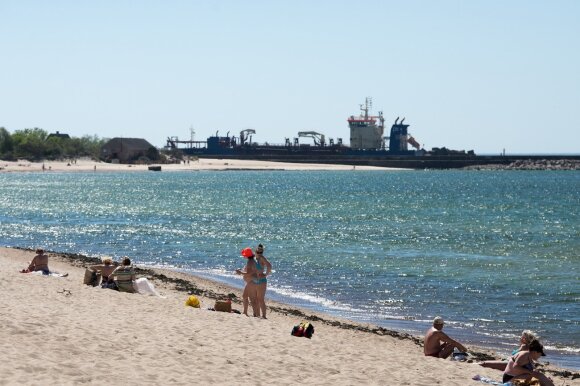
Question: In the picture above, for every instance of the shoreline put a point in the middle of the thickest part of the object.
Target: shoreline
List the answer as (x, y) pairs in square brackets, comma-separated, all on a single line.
[(201, 164), (377, 342)]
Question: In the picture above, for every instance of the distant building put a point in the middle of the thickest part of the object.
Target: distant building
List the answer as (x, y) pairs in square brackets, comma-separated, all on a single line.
[(129, 150), (58, 135)]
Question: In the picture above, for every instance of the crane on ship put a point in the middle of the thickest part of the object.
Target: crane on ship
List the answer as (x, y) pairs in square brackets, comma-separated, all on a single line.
[(319, 139), (244, 134)]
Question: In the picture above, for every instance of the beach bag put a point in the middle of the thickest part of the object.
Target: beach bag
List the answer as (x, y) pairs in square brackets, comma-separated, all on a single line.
[(223, 305), (91, 277), (193, 301), (305, 329)]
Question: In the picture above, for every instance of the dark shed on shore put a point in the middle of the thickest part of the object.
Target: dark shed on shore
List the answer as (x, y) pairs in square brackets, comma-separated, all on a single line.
[(129, 150)]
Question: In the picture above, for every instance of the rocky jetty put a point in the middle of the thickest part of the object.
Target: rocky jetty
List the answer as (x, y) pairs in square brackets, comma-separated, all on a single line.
[(529, 164)]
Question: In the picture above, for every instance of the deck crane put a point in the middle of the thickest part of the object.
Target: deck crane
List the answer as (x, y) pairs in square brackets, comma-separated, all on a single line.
[(244, 135), (319, 139)]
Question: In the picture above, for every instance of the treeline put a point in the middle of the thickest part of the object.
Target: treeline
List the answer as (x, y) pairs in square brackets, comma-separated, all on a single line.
[(36, 144)]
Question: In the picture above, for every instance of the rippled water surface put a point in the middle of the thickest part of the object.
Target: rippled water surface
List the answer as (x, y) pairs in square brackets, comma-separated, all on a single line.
[(492, 252)]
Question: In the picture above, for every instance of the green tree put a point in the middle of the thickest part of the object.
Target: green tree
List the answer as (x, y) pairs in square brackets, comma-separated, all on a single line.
[(30, 143), (6, 145)]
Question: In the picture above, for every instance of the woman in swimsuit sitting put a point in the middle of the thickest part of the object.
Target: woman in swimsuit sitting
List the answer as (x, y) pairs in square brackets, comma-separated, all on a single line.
[(38, 263), (525, 339), (521, 365)]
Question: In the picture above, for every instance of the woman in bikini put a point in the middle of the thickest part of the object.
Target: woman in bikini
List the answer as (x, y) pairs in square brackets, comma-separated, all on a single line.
[(525, 339), (249, 274), (261, 281), (521, 365)]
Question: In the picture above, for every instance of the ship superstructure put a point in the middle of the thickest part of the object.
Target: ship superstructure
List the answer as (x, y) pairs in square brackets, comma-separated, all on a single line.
[(368, 146), (367, 131)]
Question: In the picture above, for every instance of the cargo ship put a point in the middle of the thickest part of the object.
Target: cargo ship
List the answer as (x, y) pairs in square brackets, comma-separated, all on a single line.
[(368, 146)]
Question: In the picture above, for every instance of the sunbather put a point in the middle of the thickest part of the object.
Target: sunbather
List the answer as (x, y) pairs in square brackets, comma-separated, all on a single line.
[(521, 365), (106, 270), (437, 343), (525, 340), (124, 276), (38, 263)]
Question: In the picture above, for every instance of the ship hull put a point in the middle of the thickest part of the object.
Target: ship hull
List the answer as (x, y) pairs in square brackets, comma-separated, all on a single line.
[(407, 160)]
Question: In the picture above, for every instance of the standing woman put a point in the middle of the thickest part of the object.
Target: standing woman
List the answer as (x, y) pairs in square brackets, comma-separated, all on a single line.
[(261, 281), (249, 274)]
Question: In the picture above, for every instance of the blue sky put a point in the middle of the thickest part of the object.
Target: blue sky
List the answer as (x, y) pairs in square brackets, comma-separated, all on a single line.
[(482, 75)]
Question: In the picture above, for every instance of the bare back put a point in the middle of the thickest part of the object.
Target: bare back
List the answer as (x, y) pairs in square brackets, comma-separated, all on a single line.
[(432, 344), (39, 263)]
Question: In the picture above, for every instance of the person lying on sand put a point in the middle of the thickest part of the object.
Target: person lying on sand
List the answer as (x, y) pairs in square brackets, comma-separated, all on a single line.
[(521, 365), (38, 263), (437, 343), (525, 340)]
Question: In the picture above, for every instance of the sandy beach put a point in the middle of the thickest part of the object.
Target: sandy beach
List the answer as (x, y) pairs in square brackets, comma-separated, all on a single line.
[(56, 330), (87, 165)]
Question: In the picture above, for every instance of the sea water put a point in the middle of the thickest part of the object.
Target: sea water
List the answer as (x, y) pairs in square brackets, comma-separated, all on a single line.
[(492, 252)]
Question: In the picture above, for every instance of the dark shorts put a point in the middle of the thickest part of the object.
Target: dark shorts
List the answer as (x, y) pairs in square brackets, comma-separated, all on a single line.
[(507, 378)]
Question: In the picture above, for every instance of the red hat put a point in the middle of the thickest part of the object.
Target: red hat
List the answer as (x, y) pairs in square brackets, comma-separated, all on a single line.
[(247, 253)]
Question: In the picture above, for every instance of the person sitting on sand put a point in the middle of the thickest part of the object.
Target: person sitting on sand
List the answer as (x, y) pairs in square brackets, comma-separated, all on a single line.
[(521, 365), (438, 344), (106, 269), (249, 274), (124, 276), (525, 340), (38, 263)]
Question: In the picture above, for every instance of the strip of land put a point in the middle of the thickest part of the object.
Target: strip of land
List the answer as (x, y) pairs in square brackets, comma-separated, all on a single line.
[(57, 330), (87, 165)]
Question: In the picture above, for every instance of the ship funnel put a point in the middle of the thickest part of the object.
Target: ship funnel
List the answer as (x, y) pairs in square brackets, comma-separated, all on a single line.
[(402, 120), (396, 120)]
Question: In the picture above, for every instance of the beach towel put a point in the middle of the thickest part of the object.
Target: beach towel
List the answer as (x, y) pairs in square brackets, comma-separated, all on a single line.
[(145, 287), (51, 273), (490, 381)]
